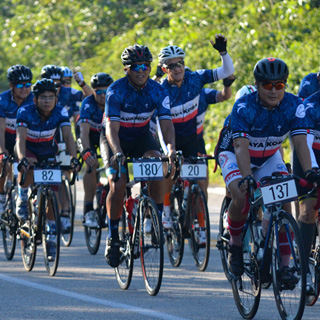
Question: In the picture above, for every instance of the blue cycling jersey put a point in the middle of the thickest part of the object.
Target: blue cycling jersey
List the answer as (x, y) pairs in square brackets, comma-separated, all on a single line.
[(92, 114), (8, 110), (184, 101), (308, 86), (40, 134), (207, 96), (267, 129), (312, 105), (134, 108), (69, 98)]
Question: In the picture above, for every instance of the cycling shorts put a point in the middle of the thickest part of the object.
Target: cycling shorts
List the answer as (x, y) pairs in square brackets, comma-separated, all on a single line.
[(201, 146), (231, 172), (189, 145)]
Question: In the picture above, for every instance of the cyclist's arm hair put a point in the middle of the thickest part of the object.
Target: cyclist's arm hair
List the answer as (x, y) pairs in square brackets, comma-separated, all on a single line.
[(84, 135), (168, 132), (241, 149), (70, 143), (303, 152), (21, 142), (112, 134), (2, 135)]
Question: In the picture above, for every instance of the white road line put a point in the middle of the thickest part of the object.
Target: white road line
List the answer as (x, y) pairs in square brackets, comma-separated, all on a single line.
[(82, 297)]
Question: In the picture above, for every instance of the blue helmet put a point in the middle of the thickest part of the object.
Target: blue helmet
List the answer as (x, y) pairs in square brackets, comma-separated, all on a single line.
[(67, 72)]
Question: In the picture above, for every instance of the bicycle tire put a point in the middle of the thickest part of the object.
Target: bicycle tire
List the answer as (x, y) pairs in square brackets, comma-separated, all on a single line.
[(290, 298), (223, 239), (9, 225), (151, 247), (174, 235), (28, 239), (247, 288), (48, 233), (125, 268), (93, 235), (200, 250), (314, 267), (65, 187)]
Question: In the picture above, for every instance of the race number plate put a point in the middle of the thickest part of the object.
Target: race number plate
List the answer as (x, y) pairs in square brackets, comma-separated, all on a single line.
[(284, 191), (194, 171), (47, 176), (147, 170)]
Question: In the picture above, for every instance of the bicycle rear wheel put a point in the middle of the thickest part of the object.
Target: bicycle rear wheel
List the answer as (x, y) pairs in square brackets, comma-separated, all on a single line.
[(65, 188), (125, 268), (28, 240), (290, 293), (199, 228), (151, 246), (247, 288), (174, 236), (93, 234), (223, 238), (50, 230), (314, 267)]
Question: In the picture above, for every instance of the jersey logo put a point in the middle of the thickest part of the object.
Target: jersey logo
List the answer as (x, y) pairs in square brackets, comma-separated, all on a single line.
[(306, 83), (309, 105), (301, 111), (166, 103), (241, 105)]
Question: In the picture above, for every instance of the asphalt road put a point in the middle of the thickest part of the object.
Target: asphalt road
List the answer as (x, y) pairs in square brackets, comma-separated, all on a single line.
[(85, 287)]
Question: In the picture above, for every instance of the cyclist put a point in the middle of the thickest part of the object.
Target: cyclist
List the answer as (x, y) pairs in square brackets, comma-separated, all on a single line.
[(36, 128), (130, 103), (260, 122), (307, 201), (19, 95), (309, 85), (184, 91), (91, 114)]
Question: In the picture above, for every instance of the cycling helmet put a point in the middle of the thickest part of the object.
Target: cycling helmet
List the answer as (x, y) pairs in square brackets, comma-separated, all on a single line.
[(67, 72), (100, 79), (136, 53), (52, 72), (244, 91), (270, 69), (19, 73), (169, 53), (44, 85)]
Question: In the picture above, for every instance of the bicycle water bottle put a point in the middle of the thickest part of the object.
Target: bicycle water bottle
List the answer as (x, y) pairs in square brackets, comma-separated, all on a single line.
[(185, 195)]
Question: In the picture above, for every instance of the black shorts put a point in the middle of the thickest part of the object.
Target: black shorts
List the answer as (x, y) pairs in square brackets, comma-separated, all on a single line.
[(188, 145), (202, 146)]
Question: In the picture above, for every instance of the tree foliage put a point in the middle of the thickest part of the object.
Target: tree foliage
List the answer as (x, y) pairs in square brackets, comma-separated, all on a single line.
[(91, 35)]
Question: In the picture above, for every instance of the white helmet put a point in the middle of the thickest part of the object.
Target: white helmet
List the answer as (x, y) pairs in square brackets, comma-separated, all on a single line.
[(169, 53), (244, 91)]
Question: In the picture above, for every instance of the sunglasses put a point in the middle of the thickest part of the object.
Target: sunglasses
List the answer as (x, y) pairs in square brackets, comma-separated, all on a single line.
[(99, 92), (179, 64), (137, 67), (21, 85), (269, 85)]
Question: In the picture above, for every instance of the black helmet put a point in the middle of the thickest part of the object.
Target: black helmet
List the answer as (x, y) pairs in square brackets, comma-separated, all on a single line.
[(19, 73), (101, 79), (52, 72), (270, 69), (44, 85), (135, 54)]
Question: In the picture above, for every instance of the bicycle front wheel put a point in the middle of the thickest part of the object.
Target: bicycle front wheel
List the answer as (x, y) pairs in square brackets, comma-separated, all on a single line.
[(247, 288), (50, 224), (28, 240), (288, 267), (65, 188), (199, 228), (125, 268), (223, 238), (151, 246), (174, 236)]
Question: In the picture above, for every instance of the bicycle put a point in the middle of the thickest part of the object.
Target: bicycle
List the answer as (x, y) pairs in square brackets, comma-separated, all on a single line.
[(9, 222), (135, 242), (189, 213), (289, 293), (38, 229), (93, 234)]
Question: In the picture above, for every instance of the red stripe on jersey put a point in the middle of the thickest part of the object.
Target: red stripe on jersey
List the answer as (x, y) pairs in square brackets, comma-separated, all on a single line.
[(186, 118)]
